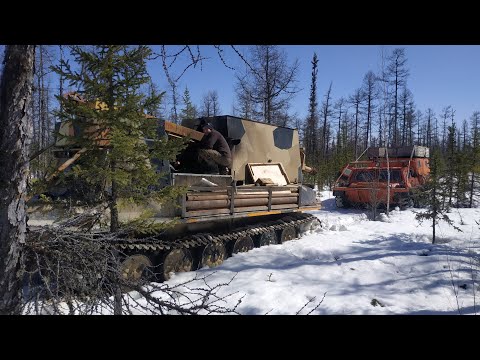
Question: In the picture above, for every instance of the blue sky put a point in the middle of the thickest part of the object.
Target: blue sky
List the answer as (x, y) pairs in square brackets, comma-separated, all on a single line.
[(440, 75)]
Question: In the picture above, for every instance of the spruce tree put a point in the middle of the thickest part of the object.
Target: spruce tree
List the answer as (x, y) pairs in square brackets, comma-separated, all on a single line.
[(431, 195), (110, 114), (311, 128), (189, 111), (462, 162)]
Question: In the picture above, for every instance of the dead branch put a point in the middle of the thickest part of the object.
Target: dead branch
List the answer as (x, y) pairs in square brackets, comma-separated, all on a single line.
[(79, 272), (309, 302)]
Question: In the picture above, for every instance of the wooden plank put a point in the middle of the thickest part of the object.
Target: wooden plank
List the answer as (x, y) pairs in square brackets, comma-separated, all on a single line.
[(274, 194), (207, 212), (212, 204), (274, 188), (285, 206), (265, 192), (284, 200), (202, 197), (67, 164), (175, 129), (251, 208), (207, 204), (225, 211), (242, 188), (265, 181)]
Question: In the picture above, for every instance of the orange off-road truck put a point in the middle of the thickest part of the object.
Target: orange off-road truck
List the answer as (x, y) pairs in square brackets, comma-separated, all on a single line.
[(389, 173)]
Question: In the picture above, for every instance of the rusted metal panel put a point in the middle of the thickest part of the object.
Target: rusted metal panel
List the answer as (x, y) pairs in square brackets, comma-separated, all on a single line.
[(413, 151)]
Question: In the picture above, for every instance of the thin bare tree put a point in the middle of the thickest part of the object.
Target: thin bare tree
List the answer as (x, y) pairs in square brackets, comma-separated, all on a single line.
[(356, 100), (269, 81), (326, 113), (370, 91), (397, 74), (210, 104)]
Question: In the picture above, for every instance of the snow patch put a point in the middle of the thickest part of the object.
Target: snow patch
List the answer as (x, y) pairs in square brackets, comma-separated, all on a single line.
[(422, 238), (367, 268), (424, 252), (384, 218), (334, 222)]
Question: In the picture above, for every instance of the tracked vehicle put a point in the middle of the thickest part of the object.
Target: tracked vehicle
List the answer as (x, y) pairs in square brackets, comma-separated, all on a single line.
[(261, 201), (390, 175)]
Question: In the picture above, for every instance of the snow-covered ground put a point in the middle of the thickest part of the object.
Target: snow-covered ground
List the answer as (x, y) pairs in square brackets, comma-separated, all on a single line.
[(358, 267)]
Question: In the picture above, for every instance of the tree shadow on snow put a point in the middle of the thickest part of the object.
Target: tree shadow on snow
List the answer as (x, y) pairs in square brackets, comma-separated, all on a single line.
[(468, 310), (434, 271), (329, 206)]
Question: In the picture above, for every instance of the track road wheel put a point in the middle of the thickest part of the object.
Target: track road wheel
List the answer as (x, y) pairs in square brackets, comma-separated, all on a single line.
[(133, 267), (242, 244), (176, 260), (213, 255), (287, 234), (308, 226), (267, 238), (315, 224)]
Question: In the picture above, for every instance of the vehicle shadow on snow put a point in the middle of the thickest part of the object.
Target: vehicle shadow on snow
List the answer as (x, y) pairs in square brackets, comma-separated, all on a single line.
[(329, 206)]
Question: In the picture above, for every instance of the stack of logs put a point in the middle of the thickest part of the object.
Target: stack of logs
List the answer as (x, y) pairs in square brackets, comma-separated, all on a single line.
[(244, 200)]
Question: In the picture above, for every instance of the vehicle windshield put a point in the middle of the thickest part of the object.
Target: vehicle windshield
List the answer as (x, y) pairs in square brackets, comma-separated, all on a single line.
[(377, 175)]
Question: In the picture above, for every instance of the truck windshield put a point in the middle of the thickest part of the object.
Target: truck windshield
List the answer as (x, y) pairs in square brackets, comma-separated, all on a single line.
[(377, 175)]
